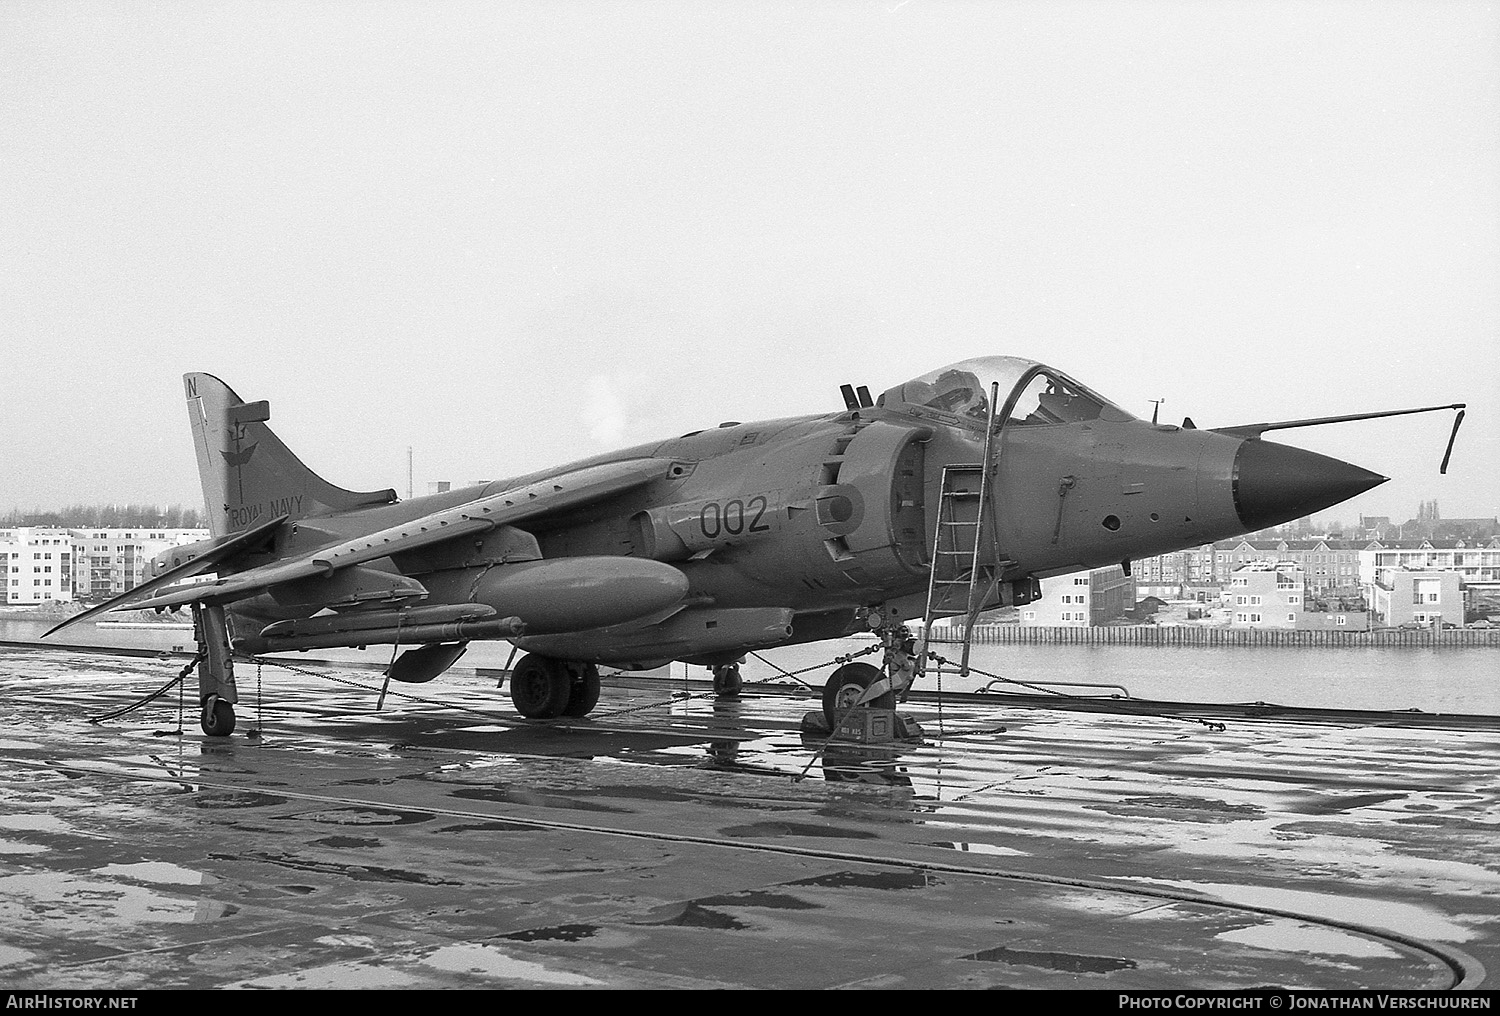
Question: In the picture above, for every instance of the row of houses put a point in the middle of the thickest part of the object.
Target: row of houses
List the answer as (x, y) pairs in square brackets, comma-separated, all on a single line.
[(1333, 568), (42, 563), (1313, 583), (1265, 594), (1303, 584)]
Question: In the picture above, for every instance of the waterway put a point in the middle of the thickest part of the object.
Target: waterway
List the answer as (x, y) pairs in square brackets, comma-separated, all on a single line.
[(1447, 679)]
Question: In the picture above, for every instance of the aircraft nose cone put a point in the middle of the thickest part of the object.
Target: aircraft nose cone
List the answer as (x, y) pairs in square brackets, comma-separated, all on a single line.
[(1278, 483)]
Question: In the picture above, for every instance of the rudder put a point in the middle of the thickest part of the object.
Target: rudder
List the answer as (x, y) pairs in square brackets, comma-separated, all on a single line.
[(247, 474)]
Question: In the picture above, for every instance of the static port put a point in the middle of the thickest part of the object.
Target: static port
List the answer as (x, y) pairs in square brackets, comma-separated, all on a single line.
[(1111, 522)]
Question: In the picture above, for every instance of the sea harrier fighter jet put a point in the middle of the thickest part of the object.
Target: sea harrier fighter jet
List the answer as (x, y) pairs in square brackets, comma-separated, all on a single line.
[(947, 495)]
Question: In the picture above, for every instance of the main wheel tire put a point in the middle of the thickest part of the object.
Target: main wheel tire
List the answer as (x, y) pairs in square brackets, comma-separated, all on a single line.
[(218, 717), (846, 685), (583, 690), (539, 687), (727, 682)]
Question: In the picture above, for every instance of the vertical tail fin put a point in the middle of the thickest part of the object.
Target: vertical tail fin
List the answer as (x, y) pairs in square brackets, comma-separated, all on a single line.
[(246, 472)]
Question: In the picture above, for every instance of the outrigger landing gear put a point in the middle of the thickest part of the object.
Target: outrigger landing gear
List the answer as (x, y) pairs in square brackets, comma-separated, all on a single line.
[(218, 717), (544, 688), (727, 681), (216, 690)]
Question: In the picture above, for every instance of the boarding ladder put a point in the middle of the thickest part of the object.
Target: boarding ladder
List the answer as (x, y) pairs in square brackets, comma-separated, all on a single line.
[(964, 512)]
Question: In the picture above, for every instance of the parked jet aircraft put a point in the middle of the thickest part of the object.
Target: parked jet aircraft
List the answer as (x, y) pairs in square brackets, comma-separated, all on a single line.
[(948, 494)]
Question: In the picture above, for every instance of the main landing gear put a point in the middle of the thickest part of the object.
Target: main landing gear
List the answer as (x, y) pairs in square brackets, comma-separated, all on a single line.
[(544, 688)]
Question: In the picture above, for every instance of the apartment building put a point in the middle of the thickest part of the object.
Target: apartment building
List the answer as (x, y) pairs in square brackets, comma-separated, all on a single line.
[(1426, 598), (1477, 562), (37, 565), (1266, 594), (108, 562), (1390, 569)]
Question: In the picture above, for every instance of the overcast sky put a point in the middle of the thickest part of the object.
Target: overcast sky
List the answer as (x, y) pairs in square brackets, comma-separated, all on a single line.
[(512, 235)]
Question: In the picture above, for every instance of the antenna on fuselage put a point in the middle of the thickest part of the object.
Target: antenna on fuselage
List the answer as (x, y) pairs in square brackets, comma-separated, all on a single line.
[(1155, 407)]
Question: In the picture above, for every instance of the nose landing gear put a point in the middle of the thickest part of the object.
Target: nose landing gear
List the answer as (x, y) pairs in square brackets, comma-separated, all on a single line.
[(859, 700), (846, 688)]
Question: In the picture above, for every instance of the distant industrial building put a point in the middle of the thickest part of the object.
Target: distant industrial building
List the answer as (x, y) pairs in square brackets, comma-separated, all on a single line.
[(1081, 599), (444, 486)]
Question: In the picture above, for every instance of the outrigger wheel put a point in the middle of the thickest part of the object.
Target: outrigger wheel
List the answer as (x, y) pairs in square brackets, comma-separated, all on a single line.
[(544, 688), (218, 717), (846, 685), (727, 681)]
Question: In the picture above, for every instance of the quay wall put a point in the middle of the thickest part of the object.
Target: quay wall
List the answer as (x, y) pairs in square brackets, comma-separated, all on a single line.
[(1195, 635)]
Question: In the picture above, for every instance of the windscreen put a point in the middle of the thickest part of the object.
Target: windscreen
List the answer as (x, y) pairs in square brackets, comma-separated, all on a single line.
[(960, 393)]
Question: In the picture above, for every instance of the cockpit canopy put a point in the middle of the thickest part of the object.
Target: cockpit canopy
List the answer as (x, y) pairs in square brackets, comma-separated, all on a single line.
[(1030, 395)]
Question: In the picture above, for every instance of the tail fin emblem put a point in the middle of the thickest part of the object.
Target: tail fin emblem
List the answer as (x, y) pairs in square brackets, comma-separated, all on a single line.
[(239, 456)]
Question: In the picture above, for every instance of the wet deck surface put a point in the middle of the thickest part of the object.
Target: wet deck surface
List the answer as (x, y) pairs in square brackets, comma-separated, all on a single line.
[(668, 843)]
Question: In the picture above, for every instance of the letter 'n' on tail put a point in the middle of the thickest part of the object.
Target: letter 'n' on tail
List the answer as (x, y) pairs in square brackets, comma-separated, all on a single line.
[(248, 475)]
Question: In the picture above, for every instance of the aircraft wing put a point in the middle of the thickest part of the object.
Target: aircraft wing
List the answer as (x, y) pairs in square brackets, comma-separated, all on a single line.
[(555, 493), (208, 560)]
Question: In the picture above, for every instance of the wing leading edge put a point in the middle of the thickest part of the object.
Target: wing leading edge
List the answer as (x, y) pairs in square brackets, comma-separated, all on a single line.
[(530, 501), (254, 537)]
